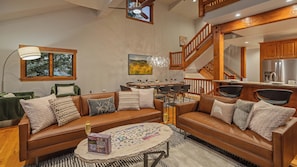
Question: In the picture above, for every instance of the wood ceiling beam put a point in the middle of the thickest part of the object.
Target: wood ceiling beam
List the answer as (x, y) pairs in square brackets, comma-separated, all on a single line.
[(280, 14)]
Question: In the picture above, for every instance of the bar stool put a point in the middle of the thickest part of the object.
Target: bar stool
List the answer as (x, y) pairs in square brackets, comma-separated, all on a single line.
[(232, 91), (273, 96)]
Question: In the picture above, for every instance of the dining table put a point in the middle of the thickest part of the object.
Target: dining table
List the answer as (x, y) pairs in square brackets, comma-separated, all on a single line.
[(153, 84)]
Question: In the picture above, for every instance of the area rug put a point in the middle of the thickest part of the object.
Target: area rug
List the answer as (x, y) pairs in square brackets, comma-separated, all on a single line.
[(189, 152)]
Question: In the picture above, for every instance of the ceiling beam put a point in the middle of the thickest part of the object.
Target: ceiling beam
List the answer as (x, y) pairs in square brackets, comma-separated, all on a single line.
[(174, 4), (280, 14)]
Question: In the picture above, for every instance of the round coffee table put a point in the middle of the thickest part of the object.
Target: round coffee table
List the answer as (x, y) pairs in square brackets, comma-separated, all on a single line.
[(128, 141)]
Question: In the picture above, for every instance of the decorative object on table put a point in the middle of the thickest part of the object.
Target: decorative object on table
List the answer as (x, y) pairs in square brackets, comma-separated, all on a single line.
[(100, 143), (88, 128), (138, 65), (25, 53), (158, 61)]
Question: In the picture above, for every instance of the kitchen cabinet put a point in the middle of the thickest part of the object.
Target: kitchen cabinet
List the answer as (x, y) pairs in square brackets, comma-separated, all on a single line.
[(279, 49)]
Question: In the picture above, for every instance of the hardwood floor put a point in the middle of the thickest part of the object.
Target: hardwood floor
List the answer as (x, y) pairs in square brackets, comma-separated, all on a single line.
[(9, 147)]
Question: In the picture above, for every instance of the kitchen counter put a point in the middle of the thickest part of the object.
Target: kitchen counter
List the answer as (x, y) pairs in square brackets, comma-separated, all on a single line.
[(250, 87), (269, 84)]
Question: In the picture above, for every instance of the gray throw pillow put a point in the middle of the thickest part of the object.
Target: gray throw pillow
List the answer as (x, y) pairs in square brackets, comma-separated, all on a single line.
[(266, 117), (241, 113), (100, 106)]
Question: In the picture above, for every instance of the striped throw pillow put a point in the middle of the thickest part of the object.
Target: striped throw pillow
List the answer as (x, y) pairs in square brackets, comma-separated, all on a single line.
[(64, 110), (128, 100)]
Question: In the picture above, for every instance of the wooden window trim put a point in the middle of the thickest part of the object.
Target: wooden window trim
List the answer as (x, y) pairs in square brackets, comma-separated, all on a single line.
[(151, 14), (23, 76)]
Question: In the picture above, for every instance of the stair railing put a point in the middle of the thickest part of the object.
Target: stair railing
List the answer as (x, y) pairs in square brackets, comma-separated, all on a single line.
[(196, 41)]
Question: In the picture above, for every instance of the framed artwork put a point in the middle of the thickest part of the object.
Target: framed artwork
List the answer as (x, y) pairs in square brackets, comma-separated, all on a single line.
[(138, 65)]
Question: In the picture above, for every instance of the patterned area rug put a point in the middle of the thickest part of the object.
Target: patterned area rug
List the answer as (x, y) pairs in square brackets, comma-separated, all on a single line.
[(190, 152)]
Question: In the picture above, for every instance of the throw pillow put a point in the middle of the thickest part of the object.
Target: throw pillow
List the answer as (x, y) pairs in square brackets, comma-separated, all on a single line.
[(146, 97), (222, 111), (265, 117), (64, 109), (241, 113), (100, 106), (128, 100), (64, 89), (206, 102), (39, 112), (9, 95)]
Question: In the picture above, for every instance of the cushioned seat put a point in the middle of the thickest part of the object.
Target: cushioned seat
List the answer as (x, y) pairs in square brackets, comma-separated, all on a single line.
[(75, 129), (210, 126), (232, 91)]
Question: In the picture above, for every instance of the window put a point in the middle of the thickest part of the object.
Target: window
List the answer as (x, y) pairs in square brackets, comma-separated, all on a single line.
[(54, 64), (145, 14)]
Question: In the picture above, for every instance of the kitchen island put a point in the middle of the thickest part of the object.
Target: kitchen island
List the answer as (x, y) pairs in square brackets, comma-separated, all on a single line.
[(249, 88)]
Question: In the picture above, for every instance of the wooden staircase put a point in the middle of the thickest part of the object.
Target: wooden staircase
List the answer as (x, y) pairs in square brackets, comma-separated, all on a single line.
[(192, 50)]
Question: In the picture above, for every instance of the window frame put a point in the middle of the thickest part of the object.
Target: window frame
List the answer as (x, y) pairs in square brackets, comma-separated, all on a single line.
[(132, 18), (51, 76)]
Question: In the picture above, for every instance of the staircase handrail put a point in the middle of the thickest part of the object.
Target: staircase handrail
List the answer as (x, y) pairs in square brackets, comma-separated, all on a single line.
[(197, 41)]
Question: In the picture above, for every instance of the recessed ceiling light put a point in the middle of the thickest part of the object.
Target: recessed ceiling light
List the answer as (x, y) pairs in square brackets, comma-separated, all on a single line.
[(246, 42), (194, 0), (237, 14), (289, 0)]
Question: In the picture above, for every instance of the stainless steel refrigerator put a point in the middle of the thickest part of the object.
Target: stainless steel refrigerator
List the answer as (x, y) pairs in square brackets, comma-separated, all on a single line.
[(280, 70)]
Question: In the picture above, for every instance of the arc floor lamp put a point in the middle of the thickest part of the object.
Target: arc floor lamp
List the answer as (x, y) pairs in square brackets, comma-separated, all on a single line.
[(25, 53)]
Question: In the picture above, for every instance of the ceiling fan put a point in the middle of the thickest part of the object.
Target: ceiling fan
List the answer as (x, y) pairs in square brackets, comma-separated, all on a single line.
[(136, 7)]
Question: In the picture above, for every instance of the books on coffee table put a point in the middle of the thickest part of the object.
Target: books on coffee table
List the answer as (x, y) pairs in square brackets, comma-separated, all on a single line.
[(100, 143)]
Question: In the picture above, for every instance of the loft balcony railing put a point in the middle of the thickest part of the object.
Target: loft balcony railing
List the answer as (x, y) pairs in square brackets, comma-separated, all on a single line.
[(209, 5)]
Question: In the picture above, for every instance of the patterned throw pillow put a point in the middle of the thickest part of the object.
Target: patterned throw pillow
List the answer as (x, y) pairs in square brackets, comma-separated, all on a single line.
[(100, 106), (265, 117), (39, 112), (64, 109), (128, 100), (241, 113), (222, 111)]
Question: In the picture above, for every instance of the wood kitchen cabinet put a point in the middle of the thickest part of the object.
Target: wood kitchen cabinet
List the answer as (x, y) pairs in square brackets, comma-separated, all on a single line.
[(279, 49)]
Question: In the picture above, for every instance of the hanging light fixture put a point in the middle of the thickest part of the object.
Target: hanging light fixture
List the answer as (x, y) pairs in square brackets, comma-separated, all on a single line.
[(158, 61)]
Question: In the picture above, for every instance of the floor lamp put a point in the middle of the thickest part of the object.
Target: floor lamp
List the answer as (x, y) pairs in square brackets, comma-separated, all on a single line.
[(25, 53)]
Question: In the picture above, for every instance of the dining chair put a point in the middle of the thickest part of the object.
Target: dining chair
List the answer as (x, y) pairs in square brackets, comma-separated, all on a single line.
[(185, 89)]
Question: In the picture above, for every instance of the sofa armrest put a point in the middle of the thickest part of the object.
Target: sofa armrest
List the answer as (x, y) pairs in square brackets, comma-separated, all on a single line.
[(159, 105), (186, 107), (284, 143), (24, 135)]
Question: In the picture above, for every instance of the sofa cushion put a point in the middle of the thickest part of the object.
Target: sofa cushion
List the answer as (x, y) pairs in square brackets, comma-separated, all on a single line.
[(266, 117), (100, 106), (241, 113), (39, 112), (222, 111), (128, 100), (146, 97), (74, 131), (224, 135), (64, 110), (206, 102)]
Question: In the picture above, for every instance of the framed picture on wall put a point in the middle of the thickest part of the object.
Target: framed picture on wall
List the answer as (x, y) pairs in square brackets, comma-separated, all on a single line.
[(138, 65)]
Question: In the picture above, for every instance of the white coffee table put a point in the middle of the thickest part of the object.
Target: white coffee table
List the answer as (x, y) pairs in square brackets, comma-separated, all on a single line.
[(128, 141)]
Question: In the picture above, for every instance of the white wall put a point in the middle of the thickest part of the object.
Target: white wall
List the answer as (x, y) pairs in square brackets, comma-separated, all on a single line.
[(253, 64), (103, 45)]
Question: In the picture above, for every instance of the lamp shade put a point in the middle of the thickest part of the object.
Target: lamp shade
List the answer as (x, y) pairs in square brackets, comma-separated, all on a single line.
[(29, 53)]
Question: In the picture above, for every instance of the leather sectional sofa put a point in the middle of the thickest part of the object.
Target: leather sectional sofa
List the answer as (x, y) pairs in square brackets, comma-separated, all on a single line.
[(244, 143), (56, 138)]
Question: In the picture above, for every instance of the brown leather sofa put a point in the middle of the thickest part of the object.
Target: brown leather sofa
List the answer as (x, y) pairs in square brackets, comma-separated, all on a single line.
[(55, 138), (246, 144)]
